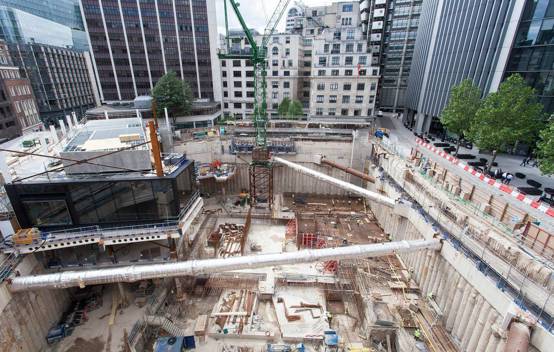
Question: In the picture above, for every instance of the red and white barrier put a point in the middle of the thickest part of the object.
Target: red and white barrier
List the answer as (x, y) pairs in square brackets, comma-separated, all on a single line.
[(543, 207)]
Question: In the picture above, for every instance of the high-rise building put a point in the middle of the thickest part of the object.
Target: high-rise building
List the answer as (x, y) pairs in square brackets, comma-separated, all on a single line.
[(532, 54), (62, 12), (134, 43), (457, 39), (398, 43), (18, 110), (60, 78)]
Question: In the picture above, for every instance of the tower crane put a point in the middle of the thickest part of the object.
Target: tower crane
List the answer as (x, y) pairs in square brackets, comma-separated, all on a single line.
[(261, 168)]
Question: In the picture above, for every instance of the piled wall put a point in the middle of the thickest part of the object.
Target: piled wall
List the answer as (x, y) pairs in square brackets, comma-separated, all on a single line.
[(26, 317)]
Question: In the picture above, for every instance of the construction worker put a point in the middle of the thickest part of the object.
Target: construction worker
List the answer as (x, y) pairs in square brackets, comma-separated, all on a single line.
[(329, 317), (417, 335)]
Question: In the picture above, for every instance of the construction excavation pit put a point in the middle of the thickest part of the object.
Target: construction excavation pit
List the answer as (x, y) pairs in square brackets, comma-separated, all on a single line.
[(382, 255)]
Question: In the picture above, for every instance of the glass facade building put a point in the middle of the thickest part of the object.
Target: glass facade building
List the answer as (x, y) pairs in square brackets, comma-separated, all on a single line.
[(532, 54), (105, 202), (64, 12)]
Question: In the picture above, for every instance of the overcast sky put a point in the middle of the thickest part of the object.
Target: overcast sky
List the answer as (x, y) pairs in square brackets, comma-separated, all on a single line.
[(256, 13)]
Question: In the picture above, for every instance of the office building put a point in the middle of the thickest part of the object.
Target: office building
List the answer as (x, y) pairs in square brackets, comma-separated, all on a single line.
[(398, 43), (343, 79), (61, 79), (134, 43), (532, 54), (18, 108), (284, 53), (456, 41)]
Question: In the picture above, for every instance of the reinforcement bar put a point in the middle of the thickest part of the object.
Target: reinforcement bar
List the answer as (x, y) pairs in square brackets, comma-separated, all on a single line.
[(197, 267), (339, 183)]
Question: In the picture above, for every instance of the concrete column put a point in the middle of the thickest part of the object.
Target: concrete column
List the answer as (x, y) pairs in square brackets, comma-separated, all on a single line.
[(442, 281), (431, 272), (487, 332), (449, 287), (441, 263), (467, 331), (62, 126), (463, 305), (69, 122), (427, 267), (75, 121), (468, 309), (479, 327), (419, 265), (54, 134), (458, 297)]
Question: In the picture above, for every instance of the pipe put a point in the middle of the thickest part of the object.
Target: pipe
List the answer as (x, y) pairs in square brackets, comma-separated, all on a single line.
[(339, 183), (197, 267), (156, 152), (349, 170), (518, 338)]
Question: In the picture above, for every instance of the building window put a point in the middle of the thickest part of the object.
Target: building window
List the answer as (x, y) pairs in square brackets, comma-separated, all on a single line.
[(347, 21), (349, 48), (319, 111), (336, 35), (332, 111), (332, 98), (286, 73), (224, 73), (250, 94), (47, 212), (290, 63), (373, 86), (362, 60), (335, 49), (224, 84), (238, 94), (275, 84), (322, 61), (348, 72), (348, 60), (360, 47), (360, 86), (286, 84), (347, 86), (321, 72), (357, 112), (346, 99), (287, 40), (275, 50), (275, 39), (237, 74), (374, 72), (335, 60), (319, 99), (286, 94), (274, 62), (334, 72), (359, 99), (287, 52), (334, 86), (237, 84), (350, 33), (274, 106), (249, 84), (274, 95), (237, 105), (344, 112), (325, 48), (236, 63), (275, 73), (249, 73), (347, 8), (225, 94), (321, 86)]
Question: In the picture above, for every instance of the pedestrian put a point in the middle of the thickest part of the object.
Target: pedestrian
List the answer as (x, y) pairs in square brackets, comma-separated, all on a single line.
[(525, 161), (504, 176), (497, 173), (509, 178)]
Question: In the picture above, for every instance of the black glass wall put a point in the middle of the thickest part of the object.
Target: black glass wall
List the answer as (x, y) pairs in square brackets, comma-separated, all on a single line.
[(111, 202), (532, 54)]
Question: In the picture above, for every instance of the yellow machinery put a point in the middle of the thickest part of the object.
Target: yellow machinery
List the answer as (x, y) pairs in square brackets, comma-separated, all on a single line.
[(26, 236)]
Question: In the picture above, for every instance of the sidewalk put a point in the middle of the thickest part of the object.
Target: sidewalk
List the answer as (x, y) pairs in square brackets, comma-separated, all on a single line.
[(400, 134)]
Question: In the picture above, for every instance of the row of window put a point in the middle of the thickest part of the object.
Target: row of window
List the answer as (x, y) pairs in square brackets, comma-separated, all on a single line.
[(320, 99), (336, 60), (348, 48), (346, 86), (19, 90), (9, 73), (343, 112)]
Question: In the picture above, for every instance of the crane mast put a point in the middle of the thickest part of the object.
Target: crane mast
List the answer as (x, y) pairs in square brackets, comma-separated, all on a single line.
[(261, 168)]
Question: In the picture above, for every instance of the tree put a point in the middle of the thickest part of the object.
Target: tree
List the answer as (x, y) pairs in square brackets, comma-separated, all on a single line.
[(283, 108), (510, 115), (173, 94), (545, 152), (464, 101), (295, 110)]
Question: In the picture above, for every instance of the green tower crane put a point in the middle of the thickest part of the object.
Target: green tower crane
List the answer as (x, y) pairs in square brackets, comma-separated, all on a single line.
[(261, 169)]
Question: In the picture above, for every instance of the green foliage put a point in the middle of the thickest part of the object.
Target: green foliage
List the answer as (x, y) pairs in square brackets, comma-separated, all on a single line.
[(173, 94), (545, 150), (283, 108), (464, 101), (510, 115), (295, 109)]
